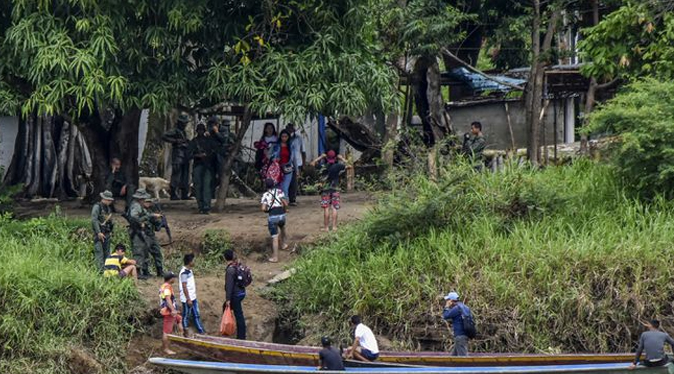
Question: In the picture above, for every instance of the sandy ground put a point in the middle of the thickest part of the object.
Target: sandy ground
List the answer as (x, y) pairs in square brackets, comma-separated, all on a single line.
[(247, 227)]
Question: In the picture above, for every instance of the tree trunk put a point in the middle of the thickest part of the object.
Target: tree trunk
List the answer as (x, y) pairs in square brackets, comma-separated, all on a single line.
[(535, 85), (226, 168), (390, 139), (429, 102), (591, 90)]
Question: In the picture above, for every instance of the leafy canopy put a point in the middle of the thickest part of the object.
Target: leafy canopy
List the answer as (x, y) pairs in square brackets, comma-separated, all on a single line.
[(291, 57), (642, 114)]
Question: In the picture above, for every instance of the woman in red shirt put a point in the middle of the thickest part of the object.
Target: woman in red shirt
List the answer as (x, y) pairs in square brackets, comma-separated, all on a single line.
[(283, 153)]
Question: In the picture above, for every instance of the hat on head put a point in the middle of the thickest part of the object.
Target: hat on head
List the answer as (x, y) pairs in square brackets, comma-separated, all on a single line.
[(325, 341), (169, 275), (183, 118), (107, 195), (141, 194), (452, 296), (201, 127), (212, 120), (331, 157)]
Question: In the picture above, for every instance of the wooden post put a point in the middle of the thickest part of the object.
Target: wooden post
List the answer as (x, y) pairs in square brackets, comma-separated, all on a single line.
[(350, 172), (510, 127)]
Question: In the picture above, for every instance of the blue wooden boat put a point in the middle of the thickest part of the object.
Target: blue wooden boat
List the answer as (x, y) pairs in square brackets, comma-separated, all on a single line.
[(205, 367)]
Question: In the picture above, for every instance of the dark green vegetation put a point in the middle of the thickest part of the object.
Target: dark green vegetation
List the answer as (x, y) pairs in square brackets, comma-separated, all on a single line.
[(561, 259), (58, 315)]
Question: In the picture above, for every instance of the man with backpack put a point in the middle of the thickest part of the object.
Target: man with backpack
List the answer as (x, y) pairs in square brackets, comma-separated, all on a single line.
[(462, 323), (237, 278)]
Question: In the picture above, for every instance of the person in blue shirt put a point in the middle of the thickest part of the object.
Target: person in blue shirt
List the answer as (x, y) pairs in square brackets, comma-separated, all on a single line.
[(455, 310)]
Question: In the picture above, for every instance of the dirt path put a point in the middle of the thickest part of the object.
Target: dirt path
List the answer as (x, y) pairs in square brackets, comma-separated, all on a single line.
[(247, 228)]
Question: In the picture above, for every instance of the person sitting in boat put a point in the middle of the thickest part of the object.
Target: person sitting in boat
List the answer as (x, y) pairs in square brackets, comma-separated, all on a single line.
[(329, 357), (364, 346), (653, 343)]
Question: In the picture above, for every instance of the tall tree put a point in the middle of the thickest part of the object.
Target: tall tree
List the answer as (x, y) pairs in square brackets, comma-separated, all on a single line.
[(100, 61)]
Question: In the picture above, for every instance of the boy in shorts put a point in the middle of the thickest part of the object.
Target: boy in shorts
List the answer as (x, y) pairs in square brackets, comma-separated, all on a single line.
[(330, 194), (274, 202), (117, 265), (169, 310)]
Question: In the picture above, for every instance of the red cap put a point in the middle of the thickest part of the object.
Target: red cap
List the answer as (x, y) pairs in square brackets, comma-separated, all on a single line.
[(332, 156)]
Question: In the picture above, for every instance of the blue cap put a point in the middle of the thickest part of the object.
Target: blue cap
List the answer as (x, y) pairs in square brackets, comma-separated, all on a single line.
[(452, 296)]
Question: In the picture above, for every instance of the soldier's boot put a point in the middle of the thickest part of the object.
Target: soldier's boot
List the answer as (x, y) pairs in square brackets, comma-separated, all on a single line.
[(160, 272), (174, 195)]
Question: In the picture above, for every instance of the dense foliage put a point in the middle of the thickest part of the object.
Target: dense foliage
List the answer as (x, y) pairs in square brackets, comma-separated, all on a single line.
[(56, 310), (553, 260), (643, 153)]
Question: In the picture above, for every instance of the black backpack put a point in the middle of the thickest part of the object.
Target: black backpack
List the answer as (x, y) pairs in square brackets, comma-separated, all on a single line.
[(244, 277), (468, 324)]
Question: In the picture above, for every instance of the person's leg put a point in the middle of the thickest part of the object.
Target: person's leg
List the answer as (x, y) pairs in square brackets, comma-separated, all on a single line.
[(460, 346), (197, 180), (99, 255), (157, 256), (207, 195), (283, 244), (175, 181), (138, 248), (272, 225), (185, 181), (292, 190), (358, 356), (335, 202), (285, 183), (237, 309), (167, 328), (197, 317), (187, 310), (325, 204)]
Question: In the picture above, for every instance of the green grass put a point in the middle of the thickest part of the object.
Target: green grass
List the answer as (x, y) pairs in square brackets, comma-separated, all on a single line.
[(53, 304), (555, 260)]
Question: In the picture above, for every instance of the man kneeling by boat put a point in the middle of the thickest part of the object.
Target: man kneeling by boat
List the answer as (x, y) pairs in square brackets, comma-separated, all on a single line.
[(364, 346), (329, 356), (653, 342)]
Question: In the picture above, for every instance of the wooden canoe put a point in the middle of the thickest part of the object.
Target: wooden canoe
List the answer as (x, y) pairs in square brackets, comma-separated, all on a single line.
[(202, 367), (251, 352)]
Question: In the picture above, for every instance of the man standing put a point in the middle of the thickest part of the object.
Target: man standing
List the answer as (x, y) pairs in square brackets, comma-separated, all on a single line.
[(364, 346), (101, 223), (188, 294), (180, 178), (154, 250), (330, 194), (203, 150), (653, 343), (235, 293), (116, 181), (329, 357), (474, 143), (458, 312), (169, 310), (297, 157), (141, 222)]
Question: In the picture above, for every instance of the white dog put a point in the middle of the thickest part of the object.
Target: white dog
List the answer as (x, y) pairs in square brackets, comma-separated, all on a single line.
[(154, 185)]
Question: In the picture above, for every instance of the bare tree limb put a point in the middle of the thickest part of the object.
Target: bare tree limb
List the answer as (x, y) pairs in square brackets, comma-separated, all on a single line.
[(609, 84)]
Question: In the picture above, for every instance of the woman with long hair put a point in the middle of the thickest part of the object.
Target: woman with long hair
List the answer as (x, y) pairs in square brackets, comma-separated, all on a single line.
[(263, 154), (283, 155)]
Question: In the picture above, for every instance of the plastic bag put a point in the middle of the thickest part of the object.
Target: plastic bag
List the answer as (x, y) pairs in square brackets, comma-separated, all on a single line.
[(227, 324)]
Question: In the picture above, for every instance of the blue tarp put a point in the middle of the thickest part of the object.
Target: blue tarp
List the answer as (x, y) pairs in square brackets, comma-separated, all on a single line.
[(479, 83)]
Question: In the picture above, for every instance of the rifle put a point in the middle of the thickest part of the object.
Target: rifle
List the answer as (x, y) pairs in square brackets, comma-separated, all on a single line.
[(164, 222)]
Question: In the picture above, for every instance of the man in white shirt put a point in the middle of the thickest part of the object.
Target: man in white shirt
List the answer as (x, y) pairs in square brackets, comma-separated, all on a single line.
[(365, 346), (188, 295)]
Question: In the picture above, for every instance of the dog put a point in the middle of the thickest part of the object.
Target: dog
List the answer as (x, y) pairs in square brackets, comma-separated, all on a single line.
[(154, 185)]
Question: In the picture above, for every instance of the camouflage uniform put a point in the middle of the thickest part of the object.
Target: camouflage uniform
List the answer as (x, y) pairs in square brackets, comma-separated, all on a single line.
[(473, 146), (203, 150), (180, 178), (101, 222), (141, 231)]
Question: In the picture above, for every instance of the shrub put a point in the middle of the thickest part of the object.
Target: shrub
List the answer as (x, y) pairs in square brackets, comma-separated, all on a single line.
[(53, 303), (642, 115), (560, 259)]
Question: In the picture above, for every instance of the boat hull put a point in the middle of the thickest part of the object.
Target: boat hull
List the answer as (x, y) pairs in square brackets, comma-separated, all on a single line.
[(203, 367), (248, 352)]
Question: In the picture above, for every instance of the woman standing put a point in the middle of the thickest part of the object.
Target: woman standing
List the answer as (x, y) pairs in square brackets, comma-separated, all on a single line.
[(263, 155), (282, 154)]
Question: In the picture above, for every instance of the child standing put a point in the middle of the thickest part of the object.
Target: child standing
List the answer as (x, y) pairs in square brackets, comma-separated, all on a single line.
[(274, 202), (168, 309), (334, 167)]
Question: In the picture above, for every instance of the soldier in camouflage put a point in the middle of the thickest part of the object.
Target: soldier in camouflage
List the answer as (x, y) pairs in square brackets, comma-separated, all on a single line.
[(203, 150), (154, 249), (101, 223), (180, 178), (474, 144), (142, 222)]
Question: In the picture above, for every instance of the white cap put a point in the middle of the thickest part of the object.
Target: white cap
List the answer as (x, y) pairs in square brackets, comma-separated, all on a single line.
[(452, 296)]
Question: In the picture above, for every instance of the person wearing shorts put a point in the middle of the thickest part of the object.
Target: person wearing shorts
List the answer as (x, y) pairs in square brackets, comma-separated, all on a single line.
[(117, 265), (365, 347), (274, 203), (169, 311), (330, 200)]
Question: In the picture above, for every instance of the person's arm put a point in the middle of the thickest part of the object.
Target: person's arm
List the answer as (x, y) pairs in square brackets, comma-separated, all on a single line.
[(95, 223), (637, 355), (353, 347), (169, 304), (264, 204), (109, 180), (670, 341), (478, 146), (128, 261), (321, 364), (172, 137), (183, 280), (313, 163), (449, 313)]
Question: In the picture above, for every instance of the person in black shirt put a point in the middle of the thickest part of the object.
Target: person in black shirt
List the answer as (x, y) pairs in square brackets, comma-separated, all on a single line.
[(116, 182), (330, 193), (329, 357), (234, 294)]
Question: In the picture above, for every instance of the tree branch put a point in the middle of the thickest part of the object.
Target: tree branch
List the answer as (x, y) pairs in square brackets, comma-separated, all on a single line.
[(466, 65), (606, 85)]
